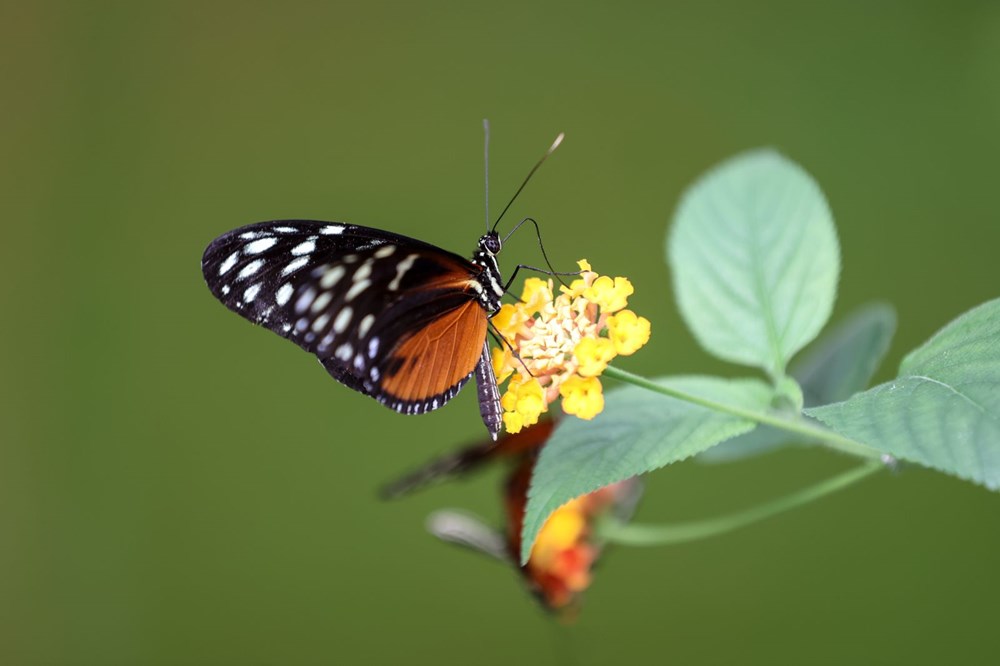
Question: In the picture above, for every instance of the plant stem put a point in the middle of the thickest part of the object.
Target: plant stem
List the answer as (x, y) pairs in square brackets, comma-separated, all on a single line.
[(658, 535), (794, 424)]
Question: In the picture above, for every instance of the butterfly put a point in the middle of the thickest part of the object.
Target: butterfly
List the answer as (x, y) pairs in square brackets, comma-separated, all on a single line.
[(392, 317), (560, 568)]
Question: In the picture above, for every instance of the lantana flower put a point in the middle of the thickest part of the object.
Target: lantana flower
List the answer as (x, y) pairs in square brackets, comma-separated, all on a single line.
[(560, 568), (558, 344), (562, 559)]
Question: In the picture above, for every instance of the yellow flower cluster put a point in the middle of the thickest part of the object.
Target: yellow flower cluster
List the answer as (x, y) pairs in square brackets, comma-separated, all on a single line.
[(563, 343), (563, 557)]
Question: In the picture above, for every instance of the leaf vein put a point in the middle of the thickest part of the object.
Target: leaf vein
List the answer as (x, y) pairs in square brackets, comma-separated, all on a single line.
[(954, 390)]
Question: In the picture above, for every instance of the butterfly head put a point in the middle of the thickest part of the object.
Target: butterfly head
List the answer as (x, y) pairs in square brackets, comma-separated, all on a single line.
[(490, 284), (490, 243)]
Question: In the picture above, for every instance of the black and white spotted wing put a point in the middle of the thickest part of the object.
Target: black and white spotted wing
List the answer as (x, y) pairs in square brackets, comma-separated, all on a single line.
[(390, 316)]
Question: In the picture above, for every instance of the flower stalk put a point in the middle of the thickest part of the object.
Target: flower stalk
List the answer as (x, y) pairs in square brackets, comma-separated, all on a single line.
[(635, 534)]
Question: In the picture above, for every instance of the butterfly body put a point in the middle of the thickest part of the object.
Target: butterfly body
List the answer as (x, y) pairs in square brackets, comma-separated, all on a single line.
[(392, 317)]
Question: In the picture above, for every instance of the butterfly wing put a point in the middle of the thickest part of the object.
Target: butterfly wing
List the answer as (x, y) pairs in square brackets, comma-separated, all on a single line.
[(470, 459), (466, 530), (387, 315)]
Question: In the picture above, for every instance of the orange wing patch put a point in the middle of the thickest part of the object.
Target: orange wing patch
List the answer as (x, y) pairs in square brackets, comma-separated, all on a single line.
[(440, 356)]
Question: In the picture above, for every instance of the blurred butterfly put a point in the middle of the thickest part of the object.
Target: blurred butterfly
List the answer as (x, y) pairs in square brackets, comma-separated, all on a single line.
[(561, 562), (392, 317)]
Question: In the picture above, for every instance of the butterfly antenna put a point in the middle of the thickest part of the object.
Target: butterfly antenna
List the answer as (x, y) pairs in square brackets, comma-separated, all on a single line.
[(552, 149), (486, 160)]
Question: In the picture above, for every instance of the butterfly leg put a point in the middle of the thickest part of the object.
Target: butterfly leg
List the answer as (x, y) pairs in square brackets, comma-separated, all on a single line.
[(555, 274), (504, 342), (489, 392)]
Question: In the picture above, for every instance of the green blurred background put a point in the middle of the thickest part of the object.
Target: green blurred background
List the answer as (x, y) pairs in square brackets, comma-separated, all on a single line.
[(179, 487)]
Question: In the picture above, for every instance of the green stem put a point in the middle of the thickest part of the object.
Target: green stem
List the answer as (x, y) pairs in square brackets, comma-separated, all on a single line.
[(659, 535), (794, 424)]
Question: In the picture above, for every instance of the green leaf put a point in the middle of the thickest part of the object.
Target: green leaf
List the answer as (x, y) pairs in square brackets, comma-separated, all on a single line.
[(845, 359), (638, 431), (943, 411), (837, 366), (755, 260)]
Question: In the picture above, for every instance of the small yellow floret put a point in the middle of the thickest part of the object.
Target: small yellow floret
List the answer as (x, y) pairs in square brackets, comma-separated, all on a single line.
[(523, 403), (593, 355), (513, 422), (628, 331), (508, 319), (611, 295), (582, 396), (578, 286), (501, 366), (537, 292)]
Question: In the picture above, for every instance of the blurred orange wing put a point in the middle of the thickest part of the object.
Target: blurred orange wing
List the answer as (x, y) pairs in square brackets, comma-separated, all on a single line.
[(522, 444)]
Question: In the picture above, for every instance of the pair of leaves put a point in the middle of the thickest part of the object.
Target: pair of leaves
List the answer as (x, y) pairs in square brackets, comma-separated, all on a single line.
[(755, 265)]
